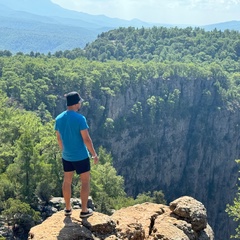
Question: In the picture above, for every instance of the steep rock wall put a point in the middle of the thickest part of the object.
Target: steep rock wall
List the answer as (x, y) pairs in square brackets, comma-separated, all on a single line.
[(185, 144)]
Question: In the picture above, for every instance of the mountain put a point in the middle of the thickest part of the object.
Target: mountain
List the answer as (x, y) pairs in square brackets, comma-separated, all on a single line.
[(231, 25), (47, 8), (43, 26)]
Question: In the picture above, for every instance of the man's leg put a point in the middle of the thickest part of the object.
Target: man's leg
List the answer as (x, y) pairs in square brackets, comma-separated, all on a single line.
[(85, 189), (66, 188)]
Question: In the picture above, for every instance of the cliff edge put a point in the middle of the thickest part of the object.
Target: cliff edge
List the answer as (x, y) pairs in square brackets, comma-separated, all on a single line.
[(185, 218)]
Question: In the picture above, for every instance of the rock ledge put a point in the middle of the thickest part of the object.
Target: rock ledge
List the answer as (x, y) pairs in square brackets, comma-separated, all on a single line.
[(184, 219)]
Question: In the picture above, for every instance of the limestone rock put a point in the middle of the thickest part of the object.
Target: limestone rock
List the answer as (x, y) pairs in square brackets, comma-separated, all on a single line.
[(190, 210), (135, 222), (142, 221), (190, 147)]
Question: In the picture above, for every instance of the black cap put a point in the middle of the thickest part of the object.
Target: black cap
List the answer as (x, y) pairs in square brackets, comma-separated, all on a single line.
[(73, 98)]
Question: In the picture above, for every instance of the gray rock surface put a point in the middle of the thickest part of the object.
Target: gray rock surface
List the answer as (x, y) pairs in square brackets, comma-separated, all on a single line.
[(188, 148)]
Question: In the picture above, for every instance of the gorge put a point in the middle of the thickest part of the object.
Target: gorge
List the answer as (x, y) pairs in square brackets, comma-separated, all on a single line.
[(187, 147)]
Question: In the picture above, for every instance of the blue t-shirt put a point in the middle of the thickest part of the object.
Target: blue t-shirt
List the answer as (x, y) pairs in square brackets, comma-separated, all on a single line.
[(69, 124)]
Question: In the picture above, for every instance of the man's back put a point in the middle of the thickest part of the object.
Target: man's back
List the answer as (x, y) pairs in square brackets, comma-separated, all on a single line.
[(69, 124)]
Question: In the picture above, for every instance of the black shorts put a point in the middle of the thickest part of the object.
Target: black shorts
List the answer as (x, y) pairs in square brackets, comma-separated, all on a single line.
[(78, 166)]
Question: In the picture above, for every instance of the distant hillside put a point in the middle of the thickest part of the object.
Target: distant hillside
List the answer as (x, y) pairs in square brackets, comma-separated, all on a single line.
[(42, 26), (39, 34), (232, 25), (46, 27), (163, 44)]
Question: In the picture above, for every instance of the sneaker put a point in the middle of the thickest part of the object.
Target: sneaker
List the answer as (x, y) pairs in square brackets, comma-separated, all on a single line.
[(86, 214), (67, 212)]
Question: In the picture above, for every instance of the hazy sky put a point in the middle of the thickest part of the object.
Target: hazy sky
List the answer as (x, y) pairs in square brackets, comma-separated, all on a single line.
[(194, 12)]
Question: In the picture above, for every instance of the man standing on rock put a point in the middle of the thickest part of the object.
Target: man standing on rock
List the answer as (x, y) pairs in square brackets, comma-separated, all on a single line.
[(75, 142)]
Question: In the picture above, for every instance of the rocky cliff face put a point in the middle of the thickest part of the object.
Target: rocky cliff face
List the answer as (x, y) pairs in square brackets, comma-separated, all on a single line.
[(180, 136), (185, 219)]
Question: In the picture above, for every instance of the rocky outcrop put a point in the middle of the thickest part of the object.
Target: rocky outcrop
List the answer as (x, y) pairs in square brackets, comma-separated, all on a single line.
[(184, 219)]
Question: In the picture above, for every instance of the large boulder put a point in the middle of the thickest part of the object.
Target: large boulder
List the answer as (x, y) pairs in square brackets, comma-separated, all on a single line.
[(190, 210)]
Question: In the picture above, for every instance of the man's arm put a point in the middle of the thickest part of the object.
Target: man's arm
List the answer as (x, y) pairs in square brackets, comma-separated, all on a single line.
[(88, 142), (59, 140)]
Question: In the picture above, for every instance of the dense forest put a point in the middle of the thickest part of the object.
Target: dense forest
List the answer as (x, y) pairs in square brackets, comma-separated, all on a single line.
[(163, 44), (32, 88)]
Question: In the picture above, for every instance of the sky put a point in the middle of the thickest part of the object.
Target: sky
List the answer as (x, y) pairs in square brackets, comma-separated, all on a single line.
[(194, 12)]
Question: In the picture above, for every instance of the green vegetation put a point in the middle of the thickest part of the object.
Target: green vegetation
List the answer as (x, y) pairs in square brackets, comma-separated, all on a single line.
[(163, 44), (38, 83), (234, 211), (31, 169), (20, 214)]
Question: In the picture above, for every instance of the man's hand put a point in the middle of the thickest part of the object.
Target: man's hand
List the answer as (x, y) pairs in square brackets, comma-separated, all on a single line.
[(96, 159)]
